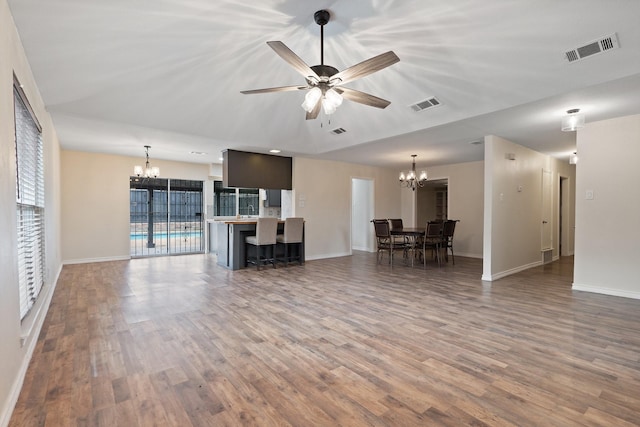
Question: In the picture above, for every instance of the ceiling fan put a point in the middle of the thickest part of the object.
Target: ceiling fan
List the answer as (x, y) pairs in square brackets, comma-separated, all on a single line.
[(324, 82)]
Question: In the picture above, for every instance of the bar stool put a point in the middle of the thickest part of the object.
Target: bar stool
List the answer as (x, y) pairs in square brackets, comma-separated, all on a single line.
[(266, 230), (293, 230)]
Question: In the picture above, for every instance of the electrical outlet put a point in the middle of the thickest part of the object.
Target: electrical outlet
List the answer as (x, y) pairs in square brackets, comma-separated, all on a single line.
[(588, 195)]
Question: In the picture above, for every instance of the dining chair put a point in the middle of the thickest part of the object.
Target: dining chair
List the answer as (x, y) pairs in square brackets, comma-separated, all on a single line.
[(432, 239), (266, 230), (448, 228), (385, 240), (293, 231), (396, 224)]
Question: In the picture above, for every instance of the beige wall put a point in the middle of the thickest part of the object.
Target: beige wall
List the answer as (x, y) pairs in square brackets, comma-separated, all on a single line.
[(465, 202), (324, 187), (17, 339), (513, 207), (95, 202), (607, 227)]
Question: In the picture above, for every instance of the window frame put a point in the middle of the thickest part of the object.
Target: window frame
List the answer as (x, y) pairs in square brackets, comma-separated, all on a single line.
[(241, 204), (30, 202)]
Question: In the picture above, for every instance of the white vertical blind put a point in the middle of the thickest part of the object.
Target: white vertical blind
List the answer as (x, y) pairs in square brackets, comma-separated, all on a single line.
[(30, 204)]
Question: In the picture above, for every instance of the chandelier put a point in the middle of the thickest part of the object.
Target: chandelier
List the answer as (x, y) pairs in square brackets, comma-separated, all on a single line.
[(147, 171), (411, 180)]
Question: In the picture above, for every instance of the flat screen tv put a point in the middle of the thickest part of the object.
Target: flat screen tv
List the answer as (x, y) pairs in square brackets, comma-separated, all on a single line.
[(244, 169)]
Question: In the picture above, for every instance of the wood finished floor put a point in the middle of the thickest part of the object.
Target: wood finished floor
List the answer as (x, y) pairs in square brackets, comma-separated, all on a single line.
[(178, 341)]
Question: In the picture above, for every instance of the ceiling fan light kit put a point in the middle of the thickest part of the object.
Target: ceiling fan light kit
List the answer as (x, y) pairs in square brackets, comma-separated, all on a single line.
[(324, 82)]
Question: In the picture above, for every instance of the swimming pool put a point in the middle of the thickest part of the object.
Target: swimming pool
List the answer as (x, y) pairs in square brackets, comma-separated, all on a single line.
[(163, 235)]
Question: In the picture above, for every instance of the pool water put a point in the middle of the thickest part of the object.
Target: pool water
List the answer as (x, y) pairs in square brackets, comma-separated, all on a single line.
[(163, 235)]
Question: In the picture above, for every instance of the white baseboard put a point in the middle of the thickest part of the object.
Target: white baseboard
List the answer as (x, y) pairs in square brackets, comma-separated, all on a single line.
[(324, 256), (606, 291), (88, 260), (31, 339), (468, 255), (510, 271)]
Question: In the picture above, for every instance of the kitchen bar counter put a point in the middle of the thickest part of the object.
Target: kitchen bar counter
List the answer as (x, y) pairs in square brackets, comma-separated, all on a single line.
[(230, 241)]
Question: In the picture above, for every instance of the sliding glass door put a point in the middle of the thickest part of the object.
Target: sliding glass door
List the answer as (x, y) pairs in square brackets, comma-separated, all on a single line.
[(165, 216)]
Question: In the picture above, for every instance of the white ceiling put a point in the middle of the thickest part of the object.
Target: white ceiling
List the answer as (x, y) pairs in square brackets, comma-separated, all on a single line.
[(117, 75)]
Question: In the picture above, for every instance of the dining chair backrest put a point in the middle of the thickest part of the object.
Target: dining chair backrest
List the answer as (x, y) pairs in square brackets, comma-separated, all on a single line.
[(396, 223), (293, 229), (448, 228), (433, 229), (266, 230), (381, 227)]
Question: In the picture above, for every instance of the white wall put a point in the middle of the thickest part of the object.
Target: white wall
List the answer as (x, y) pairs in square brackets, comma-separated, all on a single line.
[(607, 250), (14, 353), (324, 187), (513, 206), (95, 202)]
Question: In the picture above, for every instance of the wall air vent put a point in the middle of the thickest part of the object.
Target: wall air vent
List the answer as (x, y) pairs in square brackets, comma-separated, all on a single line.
[(338, 131), (427, 103), (597, 46)]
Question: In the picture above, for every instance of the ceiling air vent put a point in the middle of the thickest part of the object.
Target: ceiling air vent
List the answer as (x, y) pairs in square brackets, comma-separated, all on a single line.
[(427, 103), (338, 131), (597, 46)]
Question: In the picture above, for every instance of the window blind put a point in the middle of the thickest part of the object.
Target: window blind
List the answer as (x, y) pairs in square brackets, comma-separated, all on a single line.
[(30, 203)]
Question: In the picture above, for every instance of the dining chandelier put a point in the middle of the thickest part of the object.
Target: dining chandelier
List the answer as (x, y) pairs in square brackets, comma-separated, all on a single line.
[(147, 171), (411, 180)]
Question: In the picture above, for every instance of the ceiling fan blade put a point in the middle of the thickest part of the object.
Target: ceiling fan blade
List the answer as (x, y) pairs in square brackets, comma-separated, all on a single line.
[(294, 60), (274, 89), (366, 67), (361, 97), (316, 110)]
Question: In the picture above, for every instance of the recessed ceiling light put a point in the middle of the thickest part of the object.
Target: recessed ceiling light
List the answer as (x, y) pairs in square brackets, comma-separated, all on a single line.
[(198, 153), (221, 158), (274, 151)]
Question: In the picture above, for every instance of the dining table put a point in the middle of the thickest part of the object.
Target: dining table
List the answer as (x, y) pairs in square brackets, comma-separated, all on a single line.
[(411, 234)]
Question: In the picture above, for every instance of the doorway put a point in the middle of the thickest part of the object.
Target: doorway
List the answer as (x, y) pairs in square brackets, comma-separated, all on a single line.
[(564, 231), (362, 213), (432, 201)]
